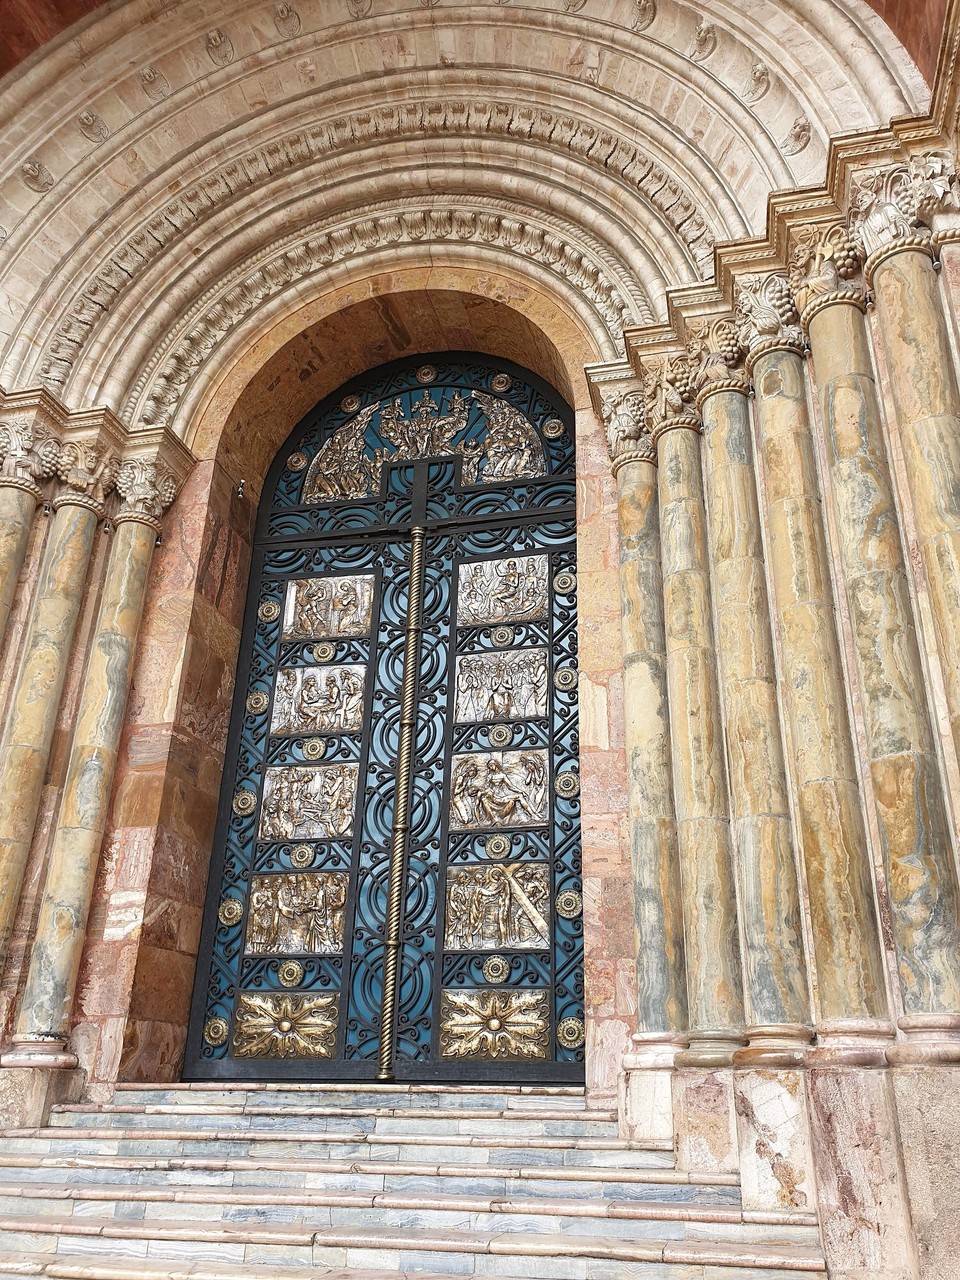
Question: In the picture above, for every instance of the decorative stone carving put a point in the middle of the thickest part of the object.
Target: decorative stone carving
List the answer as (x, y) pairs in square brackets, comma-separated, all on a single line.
[(668, 390), (716, 354), (319, 607), (645, 11), (219, 47), (899, 203), (154, 84), (798, 137), (628, 437), (704, 41), (36, 175), (28, 454), (824, 262), (297, 913), (146, 489), (92, 126), (766, 313), (573, 6), (286, 20), (510, 685), (359, 8), (189, 208), (510, 590), (314, 803), (286, 1025), (757, 85), (498, 905), (494, 1024), (498, 789), (87, 473)]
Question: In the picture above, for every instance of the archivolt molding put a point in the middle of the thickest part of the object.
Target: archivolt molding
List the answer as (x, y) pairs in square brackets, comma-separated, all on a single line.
[(158, 391)]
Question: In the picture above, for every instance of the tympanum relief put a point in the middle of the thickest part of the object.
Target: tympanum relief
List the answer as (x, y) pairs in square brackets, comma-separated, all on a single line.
[(319, 607), (301, 803), (498, 789), (498, 905), (326, 699), (508, 685), (297, 913), (509, 590)]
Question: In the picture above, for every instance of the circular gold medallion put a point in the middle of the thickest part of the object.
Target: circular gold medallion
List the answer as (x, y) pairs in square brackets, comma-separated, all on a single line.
[(426, 373), (496, 969), (565, 583), (297, 461), (350, 404), (269, 611), (501, 382), (502, 635), (313, 748), (244, 802), (257, 702), (301, 855), (497, 846), (569, 904), (565, 678), (500, 735), (323, 652), (552, 428), (571, 1033), (290, 973), (215, 1031), (568, 784), (231, 911)]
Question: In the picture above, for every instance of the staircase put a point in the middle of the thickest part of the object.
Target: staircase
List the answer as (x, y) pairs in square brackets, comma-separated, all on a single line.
[(236, 1182)]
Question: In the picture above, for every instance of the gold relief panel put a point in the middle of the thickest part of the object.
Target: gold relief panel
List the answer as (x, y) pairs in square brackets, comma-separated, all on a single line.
[(318, 700), (509, 590), (498, 789), (319, 607), (498, 905), (494, 1025), (511, 685), (301, 803), (286, 1025), (297, 913)]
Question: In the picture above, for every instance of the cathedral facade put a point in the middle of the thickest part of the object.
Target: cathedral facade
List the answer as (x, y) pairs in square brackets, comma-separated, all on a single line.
[(480, 580)]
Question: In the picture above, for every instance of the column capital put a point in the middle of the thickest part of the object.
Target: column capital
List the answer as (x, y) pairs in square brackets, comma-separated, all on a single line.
[(155, 464), (766, 316), (628, 436), (896, 208), (29, 452), (669, 395), (87, 470), (717, 352), (825, 270)]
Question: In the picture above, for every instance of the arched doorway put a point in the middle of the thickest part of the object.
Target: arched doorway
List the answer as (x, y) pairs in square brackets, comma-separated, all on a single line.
[(396, 885)]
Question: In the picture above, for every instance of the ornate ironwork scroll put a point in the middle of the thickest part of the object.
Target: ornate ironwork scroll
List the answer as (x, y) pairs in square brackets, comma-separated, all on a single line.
[(395, 891)]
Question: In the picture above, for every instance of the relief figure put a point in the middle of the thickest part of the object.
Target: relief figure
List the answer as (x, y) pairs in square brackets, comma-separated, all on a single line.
[(319, 607), (498, 789), (341, 468), (510, 590), (297, 913), (302, 803), (513, 448), (507, 685), (324, 699), (496, 906)]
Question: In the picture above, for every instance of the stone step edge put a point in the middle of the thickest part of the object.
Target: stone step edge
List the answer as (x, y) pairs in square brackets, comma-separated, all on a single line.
[(508, 1244), (536, 1141), (398, 1168), (567, 1207), (567, 1116), (345, 1086), (84, 1267)]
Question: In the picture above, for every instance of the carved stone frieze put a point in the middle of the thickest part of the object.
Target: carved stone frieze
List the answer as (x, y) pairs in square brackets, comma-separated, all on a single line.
[(900, 202), (824, 262), (87, 472), (29, 453), (146, 489), (625, 420), (766, 313), (190, 207), (154, 84)]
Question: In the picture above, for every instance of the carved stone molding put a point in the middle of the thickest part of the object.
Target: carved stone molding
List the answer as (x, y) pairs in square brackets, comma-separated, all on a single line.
[(146, 489), (29, 453), (628, 436), (766, 315), (87, 472), (826, 264), (166, 380), (192, 206)]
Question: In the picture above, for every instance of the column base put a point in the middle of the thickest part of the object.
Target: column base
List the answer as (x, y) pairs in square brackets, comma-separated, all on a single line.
[(646, 1094), (46, 1054), (773, 1128), (710, 1049), (928, 1042), (774, 1046), (28, 1093), (850, 1044)]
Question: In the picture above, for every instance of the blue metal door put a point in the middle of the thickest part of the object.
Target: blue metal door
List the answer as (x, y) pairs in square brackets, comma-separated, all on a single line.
[(395, 892)]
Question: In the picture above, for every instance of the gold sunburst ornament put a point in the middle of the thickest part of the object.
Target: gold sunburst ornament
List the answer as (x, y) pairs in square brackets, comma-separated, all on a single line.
[(494, 1024), (275, 1025)]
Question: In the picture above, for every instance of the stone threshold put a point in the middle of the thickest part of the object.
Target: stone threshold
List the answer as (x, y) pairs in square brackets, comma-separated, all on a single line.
[(513, 1244), (80, 1267), (387, 1168), (398, 1113), (322, 1086), (638, 1210)]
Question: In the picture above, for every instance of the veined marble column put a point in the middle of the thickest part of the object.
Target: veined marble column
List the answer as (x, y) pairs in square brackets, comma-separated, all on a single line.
[(714, 989), (28, 454), (775, 982), (86, 472), (849, 968), (923, 384), (910, 804), (43, 1025)]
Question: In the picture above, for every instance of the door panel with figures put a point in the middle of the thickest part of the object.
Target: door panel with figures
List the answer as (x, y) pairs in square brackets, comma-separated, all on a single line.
[(395, 892)]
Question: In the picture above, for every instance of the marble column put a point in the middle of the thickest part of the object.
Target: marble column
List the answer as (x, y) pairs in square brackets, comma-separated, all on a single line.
[(910, 805), (28, 455), (714, 989), (86, 472), (775, 982), (924, 390), (850, 991), (43, 1024), (661, 992)]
